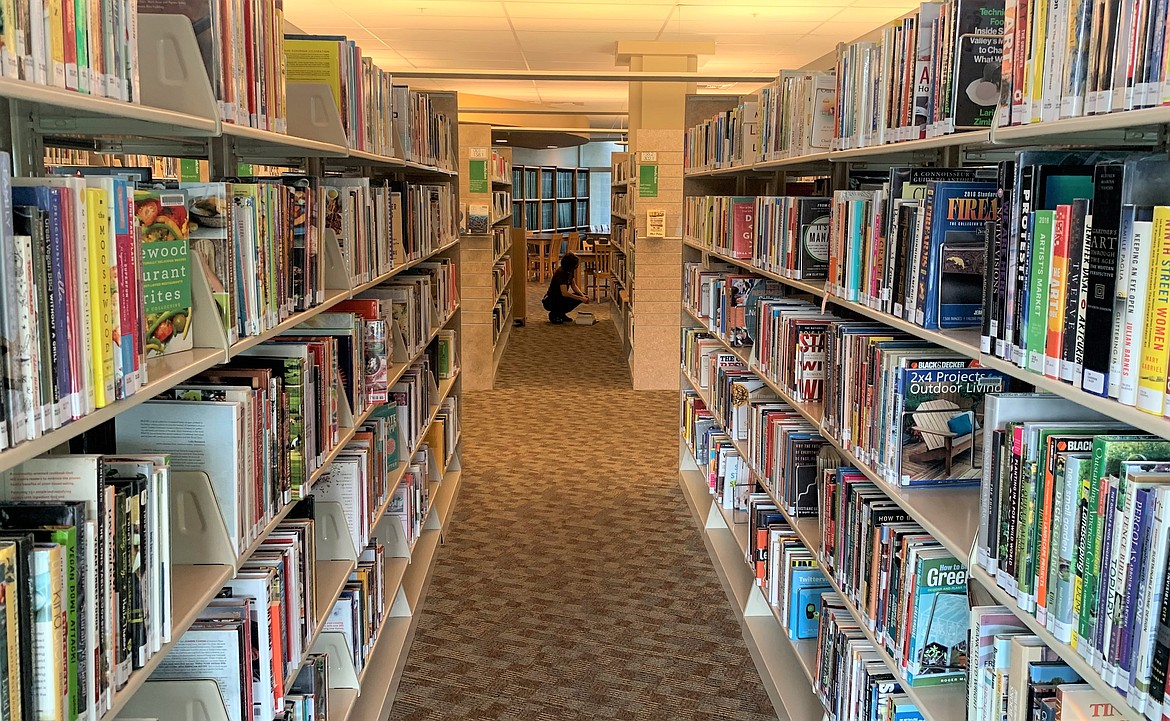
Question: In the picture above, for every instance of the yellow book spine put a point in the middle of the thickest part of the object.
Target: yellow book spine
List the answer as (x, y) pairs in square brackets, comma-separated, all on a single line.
[(12, 620), (1156, 333), (1036, 60), (99, 295), (56, 42)]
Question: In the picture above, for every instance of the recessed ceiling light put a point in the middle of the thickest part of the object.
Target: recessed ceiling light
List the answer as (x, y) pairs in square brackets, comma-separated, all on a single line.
[(551, 146), (501, 140)]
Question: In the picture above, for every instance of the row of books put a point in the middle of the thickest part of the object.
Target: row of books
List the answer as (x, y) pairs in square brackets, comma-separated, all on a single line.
[(501, 241), (1095, 577), (620, 205), (89, 48), (1014, 675), (501, 274), (364, 603), (501, 204), (932, 72), (1083, 58), (87, 579), (1104, 275), (501, 314), (781, 446), (908, 409), (500, 168), (851, 679), (728, 138), (243, 48), (796, 115), (252, 639), (911, 592)]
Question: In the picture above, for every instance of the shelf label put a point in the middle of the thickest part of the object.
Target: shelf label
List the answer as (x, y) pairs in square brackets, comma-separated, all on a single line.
[(649, 156), (656, 223), (648, 180), (477, 172)]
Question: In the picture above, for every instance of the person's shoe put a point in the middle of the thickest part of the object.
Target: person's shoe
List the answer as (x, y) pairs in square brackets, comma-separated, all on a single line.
[(557, 319)]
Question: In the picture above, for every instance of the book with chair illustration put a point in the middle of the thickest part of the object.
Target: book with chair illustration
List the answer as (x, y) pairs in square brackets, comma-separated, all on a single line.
[(939, 412)]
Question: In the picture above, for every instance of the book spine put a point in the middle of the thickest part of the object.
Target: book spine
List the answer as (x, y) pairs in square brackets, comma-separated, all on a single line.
[(1136, 236), (1058, 291), (1155, 354), (1043, 222), (1102, 275), (100, 309)]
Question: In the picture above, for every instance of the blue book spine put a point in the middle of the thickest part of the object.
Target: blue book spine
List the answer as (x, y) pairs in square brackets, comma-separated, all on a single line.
[(1142, 517), (959, 213)]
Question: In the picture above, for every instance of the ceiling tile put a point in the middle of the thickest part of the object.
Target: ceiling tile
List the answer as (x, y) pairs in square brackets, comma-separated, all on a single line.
[(557, 25), (600, 16)]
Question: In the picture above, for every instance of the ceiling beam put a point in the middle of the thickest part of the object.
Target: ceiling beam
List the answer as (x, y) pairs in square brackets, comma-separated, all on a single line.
[(593, 76)]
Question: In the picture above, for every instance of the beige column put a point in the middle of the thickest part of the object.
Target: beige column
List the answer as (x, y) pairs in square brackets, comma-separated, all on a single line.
[(657, 122)]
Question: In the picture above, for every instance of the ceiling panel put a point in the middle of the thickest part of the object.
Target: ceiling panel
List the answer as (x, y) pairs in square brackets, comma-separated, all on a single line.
[(601, 15), (751, 36)]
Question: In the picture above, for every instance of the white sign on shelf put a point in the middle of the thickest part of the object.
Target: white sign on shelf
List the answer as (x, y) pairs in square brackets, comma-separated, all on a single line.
[(649, 156), (656, 223), (478, 153)]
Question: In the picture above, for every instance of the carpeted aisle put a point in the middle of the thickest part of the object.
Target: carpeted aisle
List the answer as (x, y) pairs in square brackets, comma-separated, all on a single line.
[(574, 583)]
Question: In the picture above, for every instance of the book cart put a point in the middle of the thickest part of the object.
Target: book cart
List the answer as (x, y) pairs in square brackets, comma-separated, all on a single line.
[(178, 117), (951, 515)]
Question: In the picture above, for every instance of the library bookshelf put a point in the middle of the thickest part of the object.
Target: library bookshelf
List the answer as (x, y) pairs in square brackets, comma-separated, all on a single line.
[(553, 199), (179, 117), (490, 255), (951, 515), (622, 234)]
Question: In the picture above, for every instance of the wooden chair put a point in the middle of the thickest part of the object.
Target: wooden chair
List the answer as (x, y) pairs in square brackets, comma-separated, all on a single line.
[(932, 423), (599, 271), (539, 258)]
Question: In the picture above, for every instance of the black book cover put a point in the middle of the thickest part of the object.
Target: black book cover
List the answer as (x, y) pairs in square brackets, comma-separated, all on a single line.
[(998, 311), (813, 232), (40, 520), (132, 501), (1019, 309), (1161, 660), (975, 72), (1075, 277), (26, 585), (1102, 274), (907, 228), (990, 276)]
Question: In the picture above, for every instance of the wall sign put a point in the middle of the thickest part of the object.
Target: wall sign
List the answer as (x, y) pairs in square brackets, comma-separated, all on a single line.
[(648, 180)]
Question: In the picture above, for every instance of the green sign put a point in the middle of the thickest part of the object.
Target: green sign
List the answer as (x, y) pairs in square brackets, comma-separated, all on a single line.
[(477, 177), (648, 180), (244, 169), (189, 170)]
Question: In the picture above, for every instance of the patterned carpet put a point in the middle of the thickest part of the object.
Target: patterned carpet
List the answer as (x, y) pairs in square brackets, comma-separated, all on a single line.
[(574, 583)]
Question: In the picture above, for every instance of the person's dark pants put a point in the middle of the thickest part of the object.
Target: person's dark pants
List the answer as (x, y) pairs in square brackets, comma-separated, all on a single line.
[(560, 306)]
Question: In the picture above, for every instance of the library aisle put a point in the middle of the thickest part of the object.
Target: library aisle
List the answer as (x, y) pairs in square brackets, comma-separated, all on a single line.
[(574, 583)]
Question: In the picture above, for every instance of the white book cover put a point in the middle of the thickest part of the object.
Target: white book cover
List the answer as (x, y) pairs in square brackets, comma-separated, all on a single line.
[(196, 435), (210, 653), (255, 585)]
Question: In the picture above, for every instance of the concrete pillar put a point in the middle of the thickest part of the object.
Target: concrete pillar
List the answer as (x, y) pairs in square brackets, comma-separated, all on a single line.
[(657, 122)]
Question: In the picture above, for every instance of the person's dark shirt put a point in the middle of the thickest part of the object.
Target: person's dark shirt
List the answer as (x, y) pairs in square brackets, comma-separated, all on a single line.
[(559, 278)]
